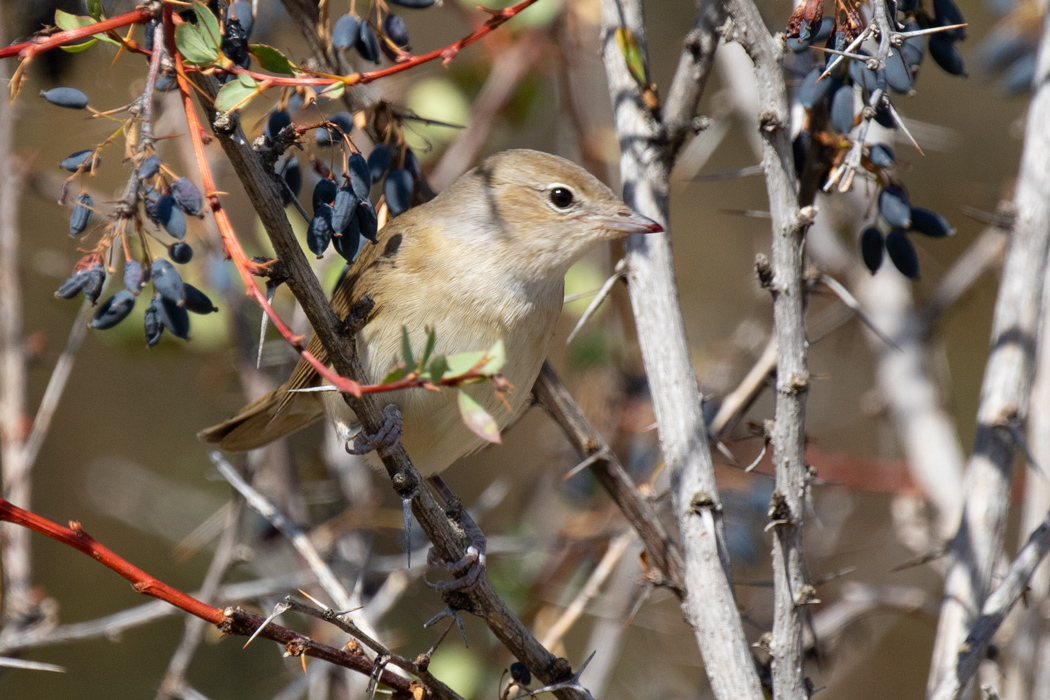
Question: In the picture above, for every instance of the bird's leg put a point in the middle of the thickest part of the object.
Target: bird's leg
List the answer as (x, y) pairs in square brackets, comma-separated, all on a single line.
[(469, 569), (383, 441)]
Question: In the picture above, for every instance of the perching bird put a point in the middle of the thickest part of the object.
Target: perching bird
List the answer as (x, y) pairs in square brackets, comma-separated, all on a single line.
[(483, 261)]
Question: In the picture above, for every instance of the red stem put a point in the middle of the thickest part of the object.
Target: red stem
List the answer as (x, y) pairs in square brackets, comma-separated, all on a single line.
[(75, 537), (232, 246), (27, 49), (245, 622), (447, 53)]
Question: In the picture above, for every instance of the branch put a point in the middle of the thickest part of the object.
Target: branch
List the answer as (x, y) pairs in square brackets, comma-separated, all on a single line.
[(231, 244), (15, 468), (664, 557), (709, 605), (39, 44), (791, 589), (230, 620), (690, 77), (483, 601), (1007, 382), (993, 612), (446, 54), (113, 625)]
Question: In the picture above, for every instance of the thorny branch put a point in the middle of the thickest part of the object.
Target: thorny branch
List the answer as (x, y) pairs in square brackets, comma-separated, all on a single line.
[(1008, 376), (231, 620), (483, 601), (645, 165), (791, 589), (664, 557)]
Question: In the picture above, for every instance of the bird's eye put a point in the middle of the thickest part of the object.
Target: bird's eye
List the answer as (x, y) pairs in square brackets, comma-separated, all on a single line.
[(561, 197)]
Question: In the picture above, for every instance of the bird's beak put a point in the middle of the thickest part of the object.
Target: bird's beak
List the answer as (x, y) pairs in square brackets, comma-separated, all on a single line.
[(627, 221)]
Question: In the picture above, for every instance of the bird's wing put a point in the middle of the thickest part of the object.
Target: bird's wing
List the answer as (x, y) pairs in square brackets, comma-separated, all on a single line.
[(359, 280), (284, 410)]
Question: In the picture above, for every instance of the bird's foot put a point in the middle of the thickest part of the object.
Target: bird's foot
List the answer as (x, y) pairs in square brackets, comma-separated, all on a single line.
[(383, 441), (471, 566), (468, 570)]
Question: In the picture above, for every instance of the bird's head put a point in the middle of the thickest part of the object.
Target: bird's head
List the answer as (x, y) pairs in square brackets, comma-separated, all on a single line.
[(541, 211)]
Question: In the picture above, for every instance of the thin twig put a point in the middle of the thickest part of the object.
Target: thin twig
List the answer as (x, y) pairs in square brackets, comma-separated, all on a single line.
[(193, 634), (590, 589)]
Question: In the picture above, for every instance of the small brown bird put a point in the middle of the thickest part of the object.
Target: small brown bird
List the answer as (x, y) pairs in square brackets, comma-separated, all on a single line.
[(483, 261)]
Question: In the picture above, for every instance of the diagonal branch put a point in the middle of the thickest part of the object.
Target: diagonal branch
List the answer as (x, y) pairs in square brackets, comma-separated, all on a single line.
[(995, 609), (690, 77), (664, 557), (264, 194), (230, 620)]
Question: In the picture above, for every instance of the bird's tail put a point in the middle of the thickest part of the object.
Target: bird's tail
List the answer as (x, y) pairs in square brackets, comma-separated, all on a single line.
[(264, 420)]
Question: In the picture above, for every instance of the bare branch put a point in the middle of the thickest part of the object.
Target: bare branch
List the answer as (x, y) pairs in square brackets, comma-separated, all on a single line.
[(16, 484), (690, 77), (791, 589), (589, 443), (710, 604), (996, 606), (978, 543)]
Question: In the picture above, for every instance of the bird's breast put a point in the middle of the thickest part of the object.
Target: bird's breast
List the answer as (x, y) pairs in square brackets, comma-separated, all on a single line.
[(434, 432)]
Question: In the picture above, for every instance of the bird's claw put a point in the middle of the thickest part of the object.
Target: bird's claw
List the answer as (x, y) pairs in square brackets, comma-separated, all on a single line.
[(382, 442), (467, 570)]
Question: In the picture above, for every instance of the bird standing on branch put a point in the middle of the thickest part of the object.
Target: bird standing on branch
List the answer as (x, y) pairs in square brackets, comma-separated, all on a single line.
[(484, 261)]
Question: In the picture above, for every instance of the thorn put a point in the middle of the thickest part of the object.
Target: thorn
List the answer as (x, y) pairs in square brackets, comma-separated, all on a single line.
[(618, 272), (449, 612), (271, 290), (277, 610), (573, 682)]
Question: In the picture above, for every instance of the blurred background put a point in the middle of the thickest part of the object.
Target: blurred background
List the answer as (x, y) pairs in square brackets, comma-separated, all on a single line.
[(121, 456)]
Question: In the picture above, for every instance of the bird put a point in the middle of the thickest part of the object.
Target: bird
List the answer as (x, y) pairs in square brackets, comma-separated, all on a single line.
[(483, 261)]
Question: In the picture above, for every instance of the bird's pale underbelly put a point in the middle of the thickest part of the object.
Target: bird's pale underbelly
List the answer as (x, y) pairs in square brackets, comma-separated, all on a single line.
[(434, 433)]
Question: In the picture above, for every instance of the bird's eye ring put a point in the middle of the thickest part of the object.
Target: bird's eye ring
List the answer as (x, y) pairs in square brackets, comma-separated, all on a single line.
[(561, 197)]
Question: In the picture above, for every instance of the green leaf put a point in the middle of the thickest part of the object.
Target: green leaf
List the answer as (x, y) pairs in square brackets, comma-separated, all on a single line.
[(428, 349), (463, 362), (395, 375), (437, 368), (94, 8), (497, 358), (334, 91), (208, 26), (68, 22), (77, 48), (233, 94), (193, 47), (406, 348), (477, 418), (271, 59), (632, 53)]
